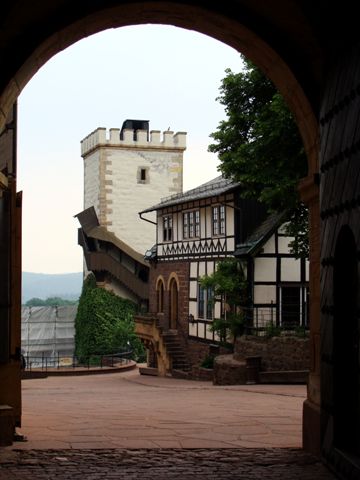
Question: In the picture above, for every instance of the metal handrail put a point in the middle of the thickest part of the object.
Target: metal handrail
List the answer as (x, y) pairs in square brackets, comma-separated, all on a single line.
[(45, 362)]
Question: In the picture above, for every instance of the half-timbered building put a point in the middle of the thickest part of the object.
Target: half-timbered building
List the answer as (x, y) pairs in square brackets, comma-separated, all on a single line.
[(197, 229)]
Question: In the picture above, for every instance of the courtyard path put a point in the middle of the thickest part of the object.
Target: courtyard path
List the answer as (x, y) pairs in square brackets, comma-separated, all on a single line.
[(127, 410)]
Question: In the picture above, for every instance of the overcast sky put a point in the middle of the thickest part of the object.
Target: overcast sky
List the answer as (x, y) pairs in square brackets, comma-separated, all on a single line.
[(164, 74)]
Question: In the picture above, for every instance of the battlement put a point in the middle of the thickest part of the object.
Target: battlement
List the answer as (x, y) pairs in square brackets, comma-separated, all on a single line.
[(136, 139)]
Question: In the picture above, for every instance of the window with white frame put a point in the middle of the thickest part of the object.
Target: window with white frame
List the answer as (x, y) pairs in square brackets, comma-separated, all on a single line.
[(205, 303), (218, 220), (167, 228), (191, 224)]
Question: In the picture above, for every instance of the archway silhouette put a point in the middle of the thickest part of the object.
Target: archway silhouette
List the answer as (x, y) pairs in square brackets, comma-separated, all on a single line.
[(192, 17), (218, 24)]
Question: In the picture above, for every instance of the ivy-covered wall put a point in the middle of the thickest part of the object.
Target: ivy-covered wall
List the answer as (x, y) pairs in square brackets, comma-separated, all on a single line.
[(104, 323)]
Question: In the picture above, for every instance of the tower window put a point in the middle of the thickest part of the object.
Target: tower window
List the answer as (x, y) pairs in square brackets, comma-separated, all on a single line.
[(143, 175)]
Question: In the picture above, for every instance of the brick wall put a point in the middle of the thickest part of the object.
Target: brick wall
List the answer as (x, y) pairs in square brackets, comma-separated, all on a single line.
[(166, 270)]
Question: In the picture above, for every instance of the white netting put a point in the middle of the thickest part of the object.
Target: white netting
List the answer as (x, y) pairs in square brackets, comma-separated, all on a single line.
[(48, 331)]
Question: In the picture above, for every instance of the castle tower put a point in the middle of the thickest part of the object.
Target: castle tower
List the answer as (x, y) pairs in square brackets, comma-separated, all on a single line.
[(127, 170)]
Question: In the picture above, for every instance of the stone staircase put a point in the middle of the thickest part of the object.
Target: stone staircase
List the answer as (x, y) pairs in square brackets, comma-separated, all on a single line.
[(175, 350)]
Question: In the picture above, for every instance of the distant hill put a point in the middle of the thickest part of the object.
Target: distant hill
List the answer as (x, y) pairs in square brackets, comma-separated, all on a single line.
[(44, 285)]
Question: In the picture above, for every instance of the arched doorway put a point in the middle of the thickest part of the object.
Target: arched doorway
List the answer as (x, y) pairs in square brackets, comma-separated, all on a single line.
[(346, 373), (173, 304)]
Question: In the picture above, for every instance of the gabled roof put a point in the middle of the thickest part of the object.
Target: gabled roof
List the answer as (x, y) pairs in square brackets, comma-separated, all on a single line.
[(216, 186), (254, 242)]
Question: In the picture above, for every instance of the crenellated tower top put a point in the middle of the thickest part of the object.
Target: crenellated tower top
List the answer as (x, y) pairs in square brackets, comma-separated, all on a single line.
[(128, 137)]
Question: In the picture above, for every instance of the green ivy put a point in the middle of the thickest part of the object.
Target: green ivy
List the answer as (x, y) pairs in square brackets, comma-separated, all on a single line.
[(104, 323)]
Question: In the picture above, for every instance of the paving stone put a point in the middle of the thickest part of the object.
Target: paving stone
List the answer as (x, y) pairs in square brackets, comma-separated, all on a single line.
[(161, 464)]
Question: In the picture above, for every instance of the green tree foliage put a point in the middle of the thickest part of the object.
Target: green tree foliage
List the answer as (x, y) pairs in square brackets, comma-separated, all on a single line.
[(49, 302), (228, 283), (104, 323), (259, 146)]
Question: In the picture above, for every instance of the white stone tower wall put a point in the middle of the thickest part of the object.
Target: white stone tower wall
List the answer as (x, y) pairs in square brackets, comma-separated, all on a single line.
[(113, 182), (91, 181)]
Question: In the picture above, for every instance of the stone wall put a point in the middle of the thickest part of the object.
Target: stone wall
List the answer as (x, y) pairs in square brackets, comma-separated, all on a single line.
[(229, 371), (277, 353), (197, 351), (340, 267)]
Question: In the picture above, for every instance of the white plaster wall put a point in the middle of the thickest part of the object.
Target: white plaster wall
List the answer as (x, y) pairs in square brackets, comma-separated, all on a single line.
[(92, 181), (264, 293), (269, 246), (230, 245), (193, 308), (201, 269), (290, 270), (265, 270), (127, 197), (193, 289), (283, 244), (230, 222), (208, 332), (217, 309), (201, 327), (193, 269), (210, 268), (192, 329)]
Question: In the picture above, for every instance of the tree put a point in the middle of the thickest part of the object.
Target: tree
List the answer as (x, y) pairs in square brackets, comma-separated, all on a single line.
[(228, 284), (104, 323), (49, 302), (260, 147)]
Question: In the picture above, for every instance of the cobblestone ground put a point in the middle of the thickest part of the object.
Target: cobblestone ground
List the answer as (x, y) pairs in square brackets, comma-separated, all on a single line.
[(162, 464)]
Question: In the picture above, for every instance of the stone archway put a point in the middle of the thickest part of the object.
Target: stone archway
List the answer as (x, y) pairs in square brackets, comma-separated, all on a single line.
[(65, 23), (193, 17)]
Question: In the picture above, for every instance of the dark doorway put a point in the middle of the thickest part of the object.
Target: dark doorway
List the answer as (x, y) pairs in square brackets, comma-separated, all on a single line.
[(290, 306), (346, 374)]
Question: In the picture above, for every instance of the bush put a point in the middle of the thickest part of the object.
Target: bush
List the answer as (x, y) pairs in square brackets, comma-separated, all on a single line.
[(104, 323)]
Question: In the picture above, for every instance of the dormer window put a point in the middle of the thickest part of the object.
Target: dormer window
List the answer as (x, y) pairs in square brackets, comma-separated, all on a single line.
[(191, 224), (218, 220), (167, 228)]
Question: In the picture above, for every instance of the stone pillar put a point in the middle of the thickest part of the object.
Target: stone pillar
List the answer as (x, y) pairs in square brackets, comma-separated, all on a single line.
[(309, 191)]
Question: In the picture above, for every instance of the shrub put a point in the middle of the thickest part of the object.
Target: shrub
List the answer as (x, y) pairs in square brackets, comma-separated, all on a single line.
[(104, 323)]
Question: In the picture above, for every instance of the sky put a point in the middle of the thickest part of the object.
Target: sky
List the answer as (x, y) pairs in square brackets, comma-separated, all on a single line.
[(167, 75)]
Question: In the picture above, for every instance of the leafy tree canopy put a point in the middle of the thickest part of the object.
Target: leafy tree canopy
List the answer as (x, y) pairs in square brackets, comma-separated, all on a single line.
[(259, 146)]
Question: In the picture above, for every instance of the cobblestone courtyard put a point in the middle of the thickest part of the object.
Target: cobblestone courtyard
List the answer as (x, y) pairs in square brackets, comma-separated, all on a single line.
[(136, 427), (159, 464)]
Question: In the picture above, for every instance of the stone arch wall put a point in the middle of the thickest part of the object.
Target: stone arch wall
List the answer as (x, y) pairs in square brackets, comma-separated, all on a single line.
[(65, 24), (340, 201), (195, 17)]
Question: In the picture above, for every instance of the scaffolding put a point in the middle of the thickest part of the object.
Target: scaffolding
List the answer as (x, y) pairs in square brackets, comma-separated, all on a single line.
[(48, 331)]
